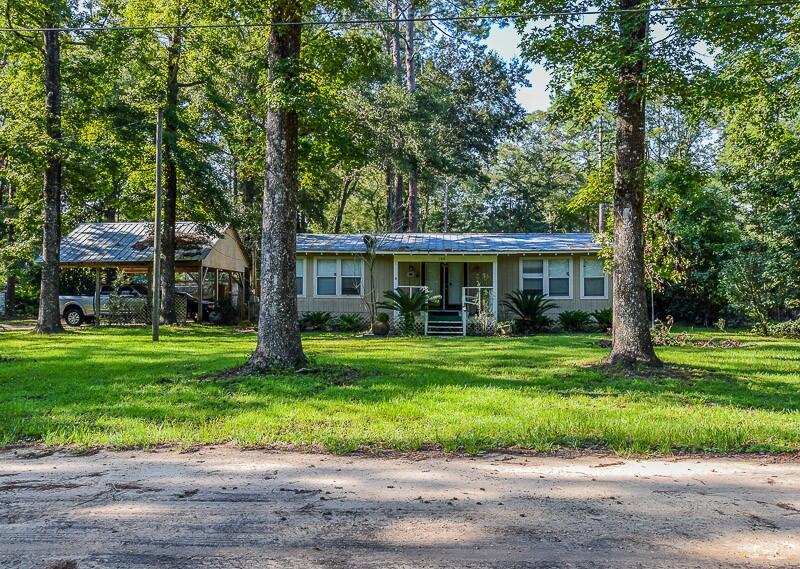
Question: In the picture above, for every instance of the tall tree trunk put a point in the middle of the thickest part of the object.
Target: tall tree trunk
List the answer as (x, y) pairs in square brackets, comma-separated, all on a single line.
[(11, 295), (411, 87), (602, 212), (11, 281), (168, 241), (631, 334), (347, 190), (393, 216), (279, 344), (389, 197), (413, 200), (446, 205), (397, 208), (396, 56), (49, 320)]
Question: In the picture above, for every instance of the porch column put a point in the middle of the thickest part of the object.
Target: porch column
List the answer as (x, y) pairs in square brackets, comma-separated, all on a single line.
[(494, 287), (395, 280)]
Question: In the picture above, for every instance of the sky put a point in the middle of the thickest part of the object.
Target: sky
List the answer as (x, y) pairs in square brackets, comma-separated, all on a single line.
[(505, 41)]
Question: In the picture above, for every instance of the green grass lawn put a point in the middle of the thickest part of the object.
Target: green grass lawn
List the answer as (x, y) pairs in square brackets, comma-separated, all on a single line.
[(114, 387)]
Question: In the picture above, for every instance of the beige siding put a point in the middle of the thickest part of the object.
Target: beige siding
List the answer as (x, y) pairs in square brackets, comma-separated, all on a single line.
[(509, 280), (344, 305), (227, 254), (508, 276)]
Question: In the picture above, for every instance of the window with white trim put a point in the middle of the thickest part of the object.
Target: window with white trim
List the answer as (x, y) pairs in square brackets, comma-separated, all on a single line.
[(339, 277), (558, 277), (533, 275), (351, 277), (326, 277), (594, 281), (550, 277), (300, 276)]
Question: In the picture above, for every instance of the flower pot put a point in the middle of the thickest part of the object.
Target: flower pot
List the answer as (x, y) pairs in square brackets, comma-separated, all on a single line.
[(380, 328)]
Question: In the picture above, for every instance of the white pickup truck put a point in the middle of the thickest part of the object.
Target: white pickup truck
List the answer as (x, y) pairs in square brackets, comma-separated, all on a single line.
[(79, 309)]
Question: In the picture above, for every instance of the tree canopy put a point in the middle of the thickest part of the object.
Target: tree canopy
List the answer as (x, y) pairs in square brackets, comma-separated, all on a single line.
[(420, 116)]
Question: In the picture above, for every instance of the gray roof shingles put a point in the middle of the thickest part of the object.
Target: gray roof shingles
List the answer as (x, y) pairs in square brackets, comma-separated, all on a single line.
[(450, 243), (117, 243)]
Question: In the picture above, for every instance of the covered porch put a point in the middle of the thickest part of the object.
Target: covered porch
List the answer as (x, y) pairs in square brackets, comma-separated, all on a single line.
[(464, 288)]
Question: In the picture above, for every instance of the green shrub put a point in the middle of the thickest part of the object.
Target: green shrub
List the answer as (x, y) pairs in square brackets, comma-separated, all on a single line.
[(382, 317), (408, 306), (350, 323), (604, 318), (530, 310), (788, 329), (316, 320), (575, 320)]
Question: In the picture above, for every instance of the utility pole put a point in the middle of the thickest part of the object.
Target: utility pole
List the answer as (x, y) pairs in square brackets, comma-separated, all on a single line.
[(156, 284)]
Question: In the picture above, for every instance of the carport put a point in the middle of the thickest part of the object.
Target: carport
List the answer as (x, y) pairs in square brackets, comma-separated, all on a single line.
[(214, 260)]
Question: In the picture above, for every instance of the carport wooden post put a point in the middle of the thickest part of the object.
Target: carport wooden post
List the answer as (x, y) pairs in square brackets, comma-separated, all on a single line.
[(97, 296), (200, 294)]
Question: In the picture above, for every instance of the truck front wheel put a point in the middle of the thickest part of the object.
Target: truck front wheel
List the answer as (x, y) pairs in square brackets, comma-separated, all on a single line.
[(73, 316)]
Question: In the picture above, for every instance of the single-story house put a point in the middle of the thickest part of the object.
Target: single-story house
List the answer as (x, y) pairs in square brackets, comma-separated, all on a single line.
[(462, 270)]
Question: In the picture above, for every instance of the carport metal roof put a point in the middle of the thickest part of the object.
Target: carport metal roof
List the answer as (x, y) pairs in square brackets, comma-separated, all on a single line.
[(130, 244)]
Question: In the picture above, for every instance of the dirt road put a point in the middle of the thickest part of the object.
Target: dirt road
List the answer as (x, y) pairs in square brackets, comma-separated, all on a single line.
[(225, 508)]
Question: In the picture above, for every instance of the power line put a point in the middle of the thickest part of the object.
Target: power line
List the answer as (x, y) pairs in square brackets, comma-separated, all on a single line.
[(431, 18)]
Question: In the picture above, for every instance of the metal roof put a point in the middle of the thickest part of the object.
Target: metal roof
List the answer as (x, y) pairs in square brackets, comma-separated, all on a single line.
[(450, 243), (130, 243)]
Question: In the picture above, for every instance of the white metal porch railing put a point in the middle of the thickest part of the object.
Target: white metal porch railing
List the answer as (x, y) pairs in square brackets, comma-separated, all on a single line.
[(411, 288), (481, 298)]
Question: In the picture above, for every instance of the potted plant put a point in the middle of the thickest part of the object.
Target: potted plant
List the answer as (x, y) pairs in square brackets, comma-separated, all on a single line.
[(381, 325)]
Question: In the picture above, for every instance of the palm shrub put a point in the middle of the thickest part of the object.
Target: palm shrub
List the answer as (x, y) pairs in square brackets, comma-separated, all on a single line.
[(530, 310), (574, 320), (350, 323), (316, 320), (603, 318), (407, 306)]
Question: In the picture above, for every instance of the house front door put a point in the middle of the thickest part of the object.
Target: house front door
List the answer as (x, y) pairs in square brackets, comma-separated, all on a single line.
[(453, 275), (433, 280)]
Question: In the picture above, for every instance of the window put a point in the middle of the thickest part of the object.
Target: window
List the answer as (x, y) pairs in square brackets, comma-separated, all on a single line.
[(300, 276), (558, 277), (351, 277), (594, 280), (533, 275), (326, 277), (339, 277), (550, 277)]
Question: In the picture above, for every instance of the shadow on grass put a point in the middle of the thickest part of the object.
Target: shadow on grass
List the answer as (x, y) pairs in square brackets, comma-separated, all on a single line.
[(86, 379)]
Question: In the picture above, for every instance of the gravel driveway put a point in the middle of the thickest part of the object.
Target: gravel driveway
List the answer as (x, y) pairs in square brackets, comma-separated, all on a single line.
[(227, 508)]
